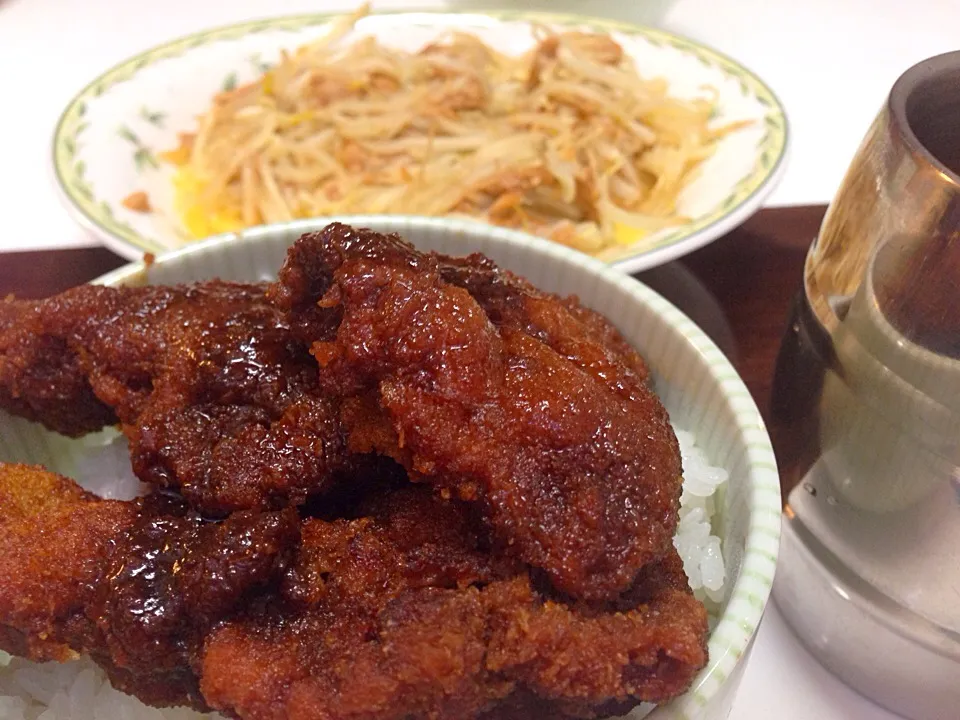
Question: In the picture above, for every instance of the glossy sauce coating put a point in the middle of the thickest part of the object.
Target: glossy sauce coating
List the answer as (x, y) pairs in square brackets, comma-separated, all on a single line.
[(218, 399), (400, 611), (291, 569), (497, 394)]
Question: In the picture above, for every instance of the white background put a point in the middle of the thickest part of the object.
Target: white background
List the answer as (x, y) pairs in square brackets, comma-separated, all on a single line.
[(831, 62)]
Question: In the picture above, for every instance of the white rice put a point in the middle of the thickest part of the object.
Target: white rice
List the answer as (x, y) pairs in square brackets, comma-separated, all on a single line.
[(79, 690), (700, 549), (76, 690)]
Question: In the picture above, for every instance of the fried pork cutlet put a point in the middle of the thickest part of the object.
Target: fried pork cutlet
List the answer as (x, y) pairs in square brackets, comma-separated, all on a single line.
[(53, 541), (496, 393), (216, 397), (402, 631), (398, 612), (580, 334), (136, 585)]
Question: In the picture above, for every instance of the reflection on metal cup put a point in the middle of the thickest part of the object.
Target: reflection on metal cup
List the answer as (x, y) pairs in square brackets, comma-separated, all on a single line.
[(869, 380), (889, 428)]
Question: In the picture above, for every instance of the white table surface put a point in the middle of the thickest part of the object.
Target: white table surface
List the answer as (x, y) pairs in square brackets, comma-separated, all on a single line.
[(831, 62)]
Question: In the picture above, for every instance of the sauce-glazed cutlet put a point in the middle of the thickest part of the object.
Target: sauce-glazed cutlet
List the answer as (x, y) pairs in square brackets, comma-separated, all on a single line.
[(399, 616), (54, 537), (216, 397), (136, 585), (524, 403), (400, 611)]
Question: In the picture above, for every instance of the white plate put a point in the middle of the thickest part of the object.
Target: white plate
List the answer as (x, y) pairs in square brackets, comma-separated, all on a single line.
[(108, 138)]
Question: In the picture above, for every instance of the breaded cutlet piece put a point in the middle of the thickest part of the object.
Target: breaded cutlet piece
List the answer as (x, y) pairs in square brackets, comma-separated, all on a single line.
[(401, 613), (136, 585), (496, 394), (54, 538), (217, 399)]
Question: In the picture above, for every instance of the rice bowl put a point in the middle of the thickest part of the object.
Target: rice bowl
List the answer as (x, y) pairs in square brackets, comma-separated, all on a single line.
[(695, 382)]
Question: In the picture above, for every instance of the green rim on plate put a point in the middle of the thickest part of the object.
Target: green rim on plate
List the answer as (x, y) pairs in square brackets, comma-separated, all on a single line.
[(98, 215)]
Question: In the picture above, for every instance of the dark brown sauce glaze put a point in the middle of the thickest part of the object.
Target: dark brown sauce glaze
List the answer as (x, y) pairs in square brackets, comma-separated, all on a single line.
[(170, 579), (495, 393), (218, 399), (236, 420)]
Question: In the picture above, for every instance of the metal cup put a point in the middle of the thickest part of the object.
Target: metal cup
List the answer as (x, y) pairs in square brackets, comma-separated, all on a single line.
[(867, 387)]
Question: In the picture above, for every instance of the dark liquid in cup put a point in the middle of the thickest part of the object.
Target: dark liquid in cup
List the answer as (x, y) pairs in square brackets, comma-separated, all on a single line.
[(919, 290), (931, 111), (919, 293)]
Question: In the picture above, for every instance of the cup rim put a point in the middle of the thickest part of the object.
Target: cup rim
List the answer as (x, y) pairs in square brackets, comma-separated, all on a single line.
[(903, 88)]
